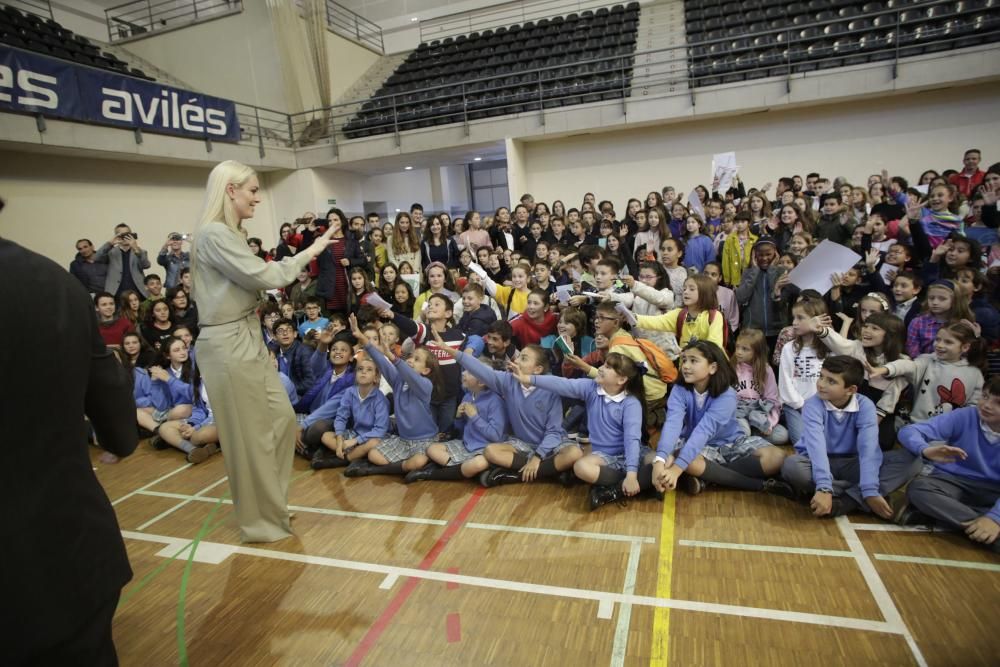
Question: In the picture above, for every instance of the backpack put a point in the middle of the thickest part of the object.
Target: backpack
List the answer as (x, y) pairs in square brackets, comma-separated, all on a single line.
[(682, 318), (659, 363)]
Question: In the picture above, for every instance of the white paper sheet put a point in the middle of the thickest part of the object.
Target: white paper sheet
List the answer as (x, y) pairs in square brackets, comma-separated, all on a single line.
[(724, 169), (378, 303), (815, 271), (563, 293)]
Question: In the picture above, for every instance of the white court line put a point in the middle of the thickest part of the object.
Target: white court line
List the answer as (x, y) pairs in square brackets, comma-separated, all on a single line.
[(890, 528), (877, 587), (605, 610), (564, 592), (769, 549), (153, 483), (608, 537), (943, 562), (389, 581), (196, 496), (310, 510), (620, 646)]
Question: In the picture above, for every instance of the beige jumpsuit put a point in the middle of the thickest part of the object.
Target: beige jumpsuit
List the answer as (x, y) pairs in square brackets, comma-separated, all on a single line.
[(255, 419)]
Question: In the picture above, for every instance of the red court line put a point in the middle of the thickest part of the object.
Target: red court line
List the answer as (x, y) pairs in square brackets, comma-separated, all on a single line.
[(383, 621), (452, 585), (453, 628)]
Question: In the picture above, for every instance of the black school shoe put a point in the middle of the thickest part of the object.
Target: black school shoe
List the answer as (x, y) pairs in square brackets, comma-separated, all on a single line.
[(691, 485), (907, 515), (602, 495), (779, 487), (497, 476), (420, 475), (156, 442), (359, 468), (324, 458)]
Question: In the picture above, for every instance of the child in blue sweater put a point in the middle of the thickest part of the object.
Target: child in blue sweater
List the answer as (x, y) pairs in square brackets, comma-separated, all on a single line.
[(165, 393), (539, 447), (361, 422), (963, 490), (323, 400), (481, 419), (701, 440), (838, 460), (196, 436), (614, 401), (412, 383)]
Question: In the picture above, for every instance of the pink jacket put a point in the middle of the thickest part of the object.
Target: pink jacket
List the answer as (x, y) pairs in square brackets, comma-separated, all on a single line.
[(747, 389)]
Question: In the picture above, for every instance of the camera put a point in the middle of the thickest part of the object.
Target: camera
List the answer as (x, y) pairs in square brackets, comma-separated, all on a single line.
[(177, 236)]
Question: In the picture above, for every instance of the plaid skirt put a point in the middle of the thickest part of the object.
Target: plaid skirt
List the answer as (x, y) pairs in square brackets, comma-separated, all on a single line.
[(743, 447), (527, 448), (457, 453), (396, 449)]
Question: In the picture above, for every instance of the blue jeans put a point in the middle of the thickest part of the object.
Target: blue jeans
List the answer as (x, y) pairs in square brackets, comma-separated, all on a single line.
[(444, 413), (793, 422)]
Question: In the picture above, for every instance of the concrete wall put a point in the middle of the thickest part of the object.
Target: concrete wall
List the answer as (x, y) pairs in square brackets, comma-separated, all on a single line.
[(905, 134)]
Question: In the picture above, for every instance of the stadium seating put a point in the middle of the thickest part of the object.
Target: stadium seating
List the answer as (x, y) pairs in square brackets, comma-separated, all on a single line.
[(554, 62), (45, 36), (732, 41)]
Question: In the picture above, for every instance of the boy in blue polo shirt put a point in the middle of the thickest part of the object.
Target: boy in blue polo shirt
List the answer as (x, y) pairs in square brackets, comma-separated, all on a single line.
[(963, 490), (838, 461)]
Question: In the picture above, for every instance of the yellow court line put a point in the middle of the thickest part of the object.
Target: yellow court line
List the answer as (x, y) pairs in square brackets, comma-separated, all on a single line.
[(661, 617)]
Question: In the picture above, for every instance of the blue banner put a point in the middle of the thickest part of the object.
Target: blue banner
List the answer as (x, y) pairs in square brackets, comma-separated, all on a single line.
[(36, 84)]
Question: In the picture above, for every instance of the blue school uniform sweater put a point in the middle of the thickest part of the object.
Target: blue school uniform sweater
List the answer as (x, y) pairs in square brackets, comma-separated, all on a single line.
[(170, 393), (411, 395), (368, 417), (142, 388), (324, 405), (536, 418), (711, 425), (960, 428), (293, 394), (615, 426), (854, 435), (698, 252), (488, 425)]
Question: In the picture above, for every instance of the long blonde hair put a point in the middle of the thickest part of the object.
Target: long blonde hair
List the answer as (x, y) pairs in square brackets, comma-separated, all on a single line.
[(217, 207)]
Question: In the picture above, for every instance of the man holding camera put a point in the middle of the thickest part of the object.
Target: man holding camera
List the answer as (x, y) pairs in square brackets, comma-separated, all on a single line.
[(126, 262), (172, 258)]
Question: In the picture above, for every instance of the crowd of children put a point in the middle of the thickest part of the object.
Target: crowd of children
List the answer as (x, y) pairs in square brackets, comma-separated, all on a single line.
[(666, 348)]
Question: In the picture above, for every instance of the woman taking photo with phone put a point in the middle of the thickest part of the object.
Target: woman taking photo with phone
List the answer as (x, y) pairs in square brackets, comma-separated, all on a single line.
[(254, 417)]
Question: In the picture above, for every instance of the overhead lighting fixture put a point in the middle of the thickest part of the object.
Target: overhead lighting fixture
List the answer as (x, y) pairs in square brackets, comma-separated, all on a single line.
[(408, 168), (414, 19), (477, 159), (397, 210)]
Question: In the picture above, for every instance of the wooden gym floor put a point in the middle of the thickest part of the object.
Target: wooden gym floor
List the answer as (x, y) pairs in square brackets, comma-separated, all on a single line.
[(448, 573)]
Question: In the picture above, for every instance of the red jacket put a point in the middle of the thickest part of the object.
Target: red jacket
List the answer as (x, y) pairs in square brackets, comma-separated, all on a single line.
[(529, 332), (967, 184)]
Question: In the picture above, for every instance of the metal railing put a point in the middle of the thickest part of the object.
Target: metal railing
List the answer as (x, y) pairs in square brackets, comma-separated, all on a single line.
[(463, 23), (41, 8), (657, 73), (140, 18), (346, 23)]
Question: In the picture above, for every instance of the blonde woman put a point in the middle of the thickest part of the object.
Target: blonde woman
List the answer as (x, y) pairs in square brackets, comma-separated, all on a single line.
[(254, 418)]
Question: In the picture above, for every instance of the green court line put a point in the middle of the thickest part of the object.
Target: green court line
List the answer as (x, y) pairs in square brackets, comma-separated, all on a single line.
[(182, 593)]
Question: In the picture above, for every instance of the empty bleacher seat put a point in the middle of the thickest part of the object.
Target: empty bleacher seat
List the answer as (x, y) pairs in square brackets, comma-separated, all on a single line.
[(549, 63), (48, 37), (729, 41)]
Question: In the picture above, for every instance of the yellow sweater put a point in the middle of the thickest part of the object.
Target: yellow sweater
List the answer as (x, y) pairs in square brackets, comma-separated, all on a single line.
[(518, 304), (701, 328)]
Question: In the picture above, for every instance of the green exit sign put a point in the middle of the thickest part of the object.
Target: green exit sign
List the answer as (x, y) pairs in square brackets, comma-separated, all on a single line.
[(331, 202)]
